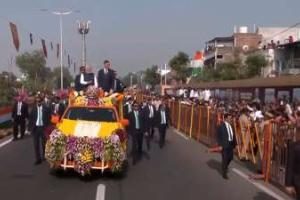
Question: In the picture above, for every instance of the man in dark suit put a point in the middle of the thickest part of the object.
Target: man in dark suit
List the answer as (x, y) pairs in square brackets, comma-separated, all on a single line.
[(227, 142), (136, 132), (128, 107), (39, 119), (81, 82), (106, 78), (293, 169), (148, 114), (162, 122), (19, 116), (57, 107)]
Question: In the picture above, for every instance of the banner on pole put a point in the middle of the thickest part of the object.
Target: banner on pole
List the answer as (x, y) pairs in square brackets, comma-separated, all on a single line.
[(57, 51), (15, 36), (69, 61), (31, 38), (44, 48)]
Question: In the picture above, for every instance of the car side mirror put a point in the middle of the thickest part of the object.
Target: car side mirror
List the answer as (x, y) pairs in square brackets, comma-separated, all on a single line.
[(54, 119), (124, 122)]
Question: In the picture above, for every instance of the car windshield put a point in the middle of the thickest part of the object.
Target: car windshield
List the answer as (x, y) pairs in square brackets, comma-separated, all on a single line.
[(91, 114)]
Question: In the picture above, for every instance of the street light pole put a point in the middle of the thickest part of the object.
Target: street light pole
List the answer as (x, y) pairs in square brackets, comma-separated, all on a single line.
[(83, 29), (60, 14), (61, 54)]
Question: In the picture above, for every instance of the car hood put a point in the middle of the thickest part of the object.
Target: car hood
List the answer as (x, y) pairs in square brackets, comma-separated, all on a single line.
[(87, 128)]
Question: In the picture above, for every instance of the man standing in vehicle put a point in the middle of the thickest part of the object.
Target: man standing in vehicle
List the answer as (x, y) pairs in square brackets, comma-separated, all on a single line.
[(106, 78)]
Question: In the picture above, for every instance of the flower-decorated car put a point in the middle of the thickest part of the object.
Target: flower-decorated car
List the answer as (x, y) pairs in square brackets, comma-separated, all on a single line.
[(90, 134)]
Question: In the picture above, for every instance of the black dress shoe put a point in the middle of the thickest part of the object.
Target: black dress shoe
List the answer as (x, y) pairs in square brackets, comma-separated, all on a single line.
[(14, 139), (225, 176), (37, 162)]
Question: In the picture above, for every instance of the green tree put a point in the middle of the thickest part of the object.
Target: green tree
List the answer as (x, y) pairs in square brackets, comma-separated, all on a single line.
[(33, 64), (179, 63), (127, 79), (7, 85), (254, 65), (56, 77), (151, 76)]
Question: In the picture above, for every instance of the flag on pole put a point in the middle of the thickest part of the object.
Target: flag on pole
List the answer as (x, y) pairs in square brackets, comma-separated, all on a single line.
[(74, 67), (31, 38), (44, 48), (69, 61), (57, 51), (15, 36)]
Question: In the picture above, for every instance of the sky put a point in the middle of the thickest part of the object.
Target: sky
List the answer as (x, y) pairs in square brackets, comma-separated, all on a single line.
[(134, 34)]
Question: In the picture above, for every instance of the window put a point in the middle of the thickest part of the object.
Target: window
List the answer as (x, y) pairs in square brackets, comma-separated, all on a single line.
[(91, 114), (284, 94), (296, 94), (269, 94)]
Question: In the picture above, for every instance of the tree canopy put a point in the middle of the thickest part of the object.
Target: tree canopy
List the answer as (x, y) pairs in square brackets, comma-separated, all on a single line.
[(151, 76), (179, 63)]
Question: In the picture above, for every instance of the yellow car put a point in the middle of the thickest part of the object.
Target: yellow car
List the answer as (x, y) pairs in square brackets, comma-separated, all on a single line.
[(90, 135)]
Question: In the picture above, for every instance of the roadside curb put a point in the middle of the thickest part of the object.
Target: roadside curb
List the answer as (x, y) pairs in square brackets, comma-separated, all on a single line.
[(5, 132)]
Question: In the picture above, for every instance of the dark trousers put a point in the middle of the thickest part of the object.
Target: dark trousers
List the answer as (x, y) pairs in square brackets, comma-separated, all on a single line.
[(296, 183), (19, 122), (137, 143), (150, 127), (162, 134), (227, 156), (39, 142)]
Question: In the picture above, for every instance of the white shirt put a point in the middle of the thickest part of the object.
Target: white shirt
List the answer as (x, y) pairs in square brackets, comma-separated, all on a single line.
[(39, 120), (56, 108), (137, 122), (229, 131), (105, 71), (82, 81), (95, 81), (19, 108), (151, 114), (163, 117)]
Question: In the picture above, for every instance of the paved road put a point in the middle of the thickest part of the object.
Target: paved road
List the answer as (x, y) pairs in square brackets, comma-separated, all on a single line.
[(179, 171)]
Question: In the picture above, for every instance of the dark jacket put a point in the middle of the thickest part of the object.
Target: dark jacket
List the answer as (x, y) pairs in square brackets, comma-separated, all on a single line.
[(106, 81), (222, 137), (158, 118), (24, 110), (146, 111), (78, 85), (33, 117), (126, 110), (61, 109), (132, 122), (90, 77), (118, 86), (293, 165)]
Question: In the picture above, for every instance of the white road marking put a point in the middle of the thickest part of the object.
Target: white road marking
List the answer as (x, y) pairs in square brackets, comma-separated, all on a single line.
[(5, 142), (179, 133), (258, 185), (100, 192)]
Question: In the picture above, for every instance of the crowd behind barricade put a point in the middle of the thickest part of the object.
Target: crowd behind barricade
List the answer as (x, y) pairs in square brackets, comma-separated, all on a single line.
[(266, 133)]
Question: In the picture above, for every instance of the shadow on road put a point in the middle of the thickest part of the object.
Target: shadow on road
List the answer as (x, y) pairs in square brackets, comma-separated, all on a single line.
[(94, 176), (216, 165), (263, 196)]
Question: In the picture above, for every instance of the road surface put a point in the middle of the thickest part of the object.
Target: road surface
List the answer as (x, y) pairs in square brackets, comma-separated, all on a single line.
[(180, 171)]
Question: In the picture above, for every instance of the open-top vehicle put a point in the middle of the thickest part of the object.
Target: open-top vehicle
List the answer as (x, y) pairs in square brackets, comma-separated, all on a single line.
[(90, 134)]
